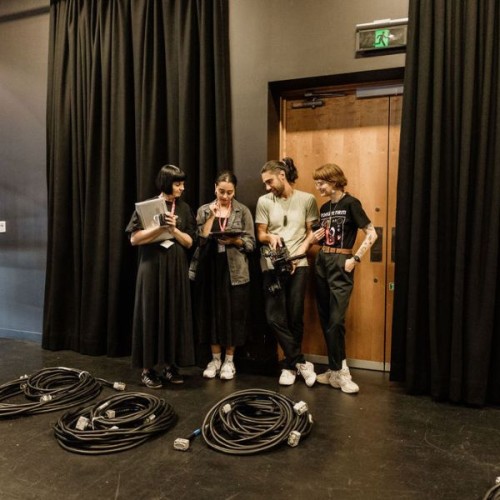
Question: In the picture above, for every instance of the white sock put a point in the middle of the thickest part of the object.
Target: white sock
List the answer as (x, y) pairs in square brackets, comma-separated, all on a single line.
[(229, 357), (344, 364), (216, 356)]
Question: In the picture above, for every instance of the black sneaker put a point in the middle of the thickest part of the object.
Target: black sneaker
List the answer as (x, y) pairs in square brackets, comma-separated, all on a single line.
[(150, 379), (172, 375)]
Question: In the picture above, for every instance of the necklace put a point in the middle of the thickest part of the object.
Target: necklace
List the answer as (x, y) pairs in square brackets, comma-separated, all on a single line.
[(223, 220), (285, 207), (332, 209)]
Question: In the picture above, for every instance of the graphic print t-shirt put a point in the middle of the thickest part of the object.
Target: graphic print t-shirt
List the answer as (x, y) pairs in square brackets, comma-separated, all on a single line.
[(342, 220)]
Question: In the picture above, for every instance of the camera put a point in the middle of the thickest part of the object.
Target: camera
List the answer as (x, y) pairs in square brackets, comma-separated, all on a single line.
[(277, 265)]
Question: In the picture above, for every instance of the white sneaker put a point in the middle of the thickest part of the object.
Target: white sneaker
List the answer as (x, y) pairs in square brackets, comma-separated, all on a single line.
[(306, 369), (342, 380), (287, 377), (324, 378), (212, 368), (227, 371)]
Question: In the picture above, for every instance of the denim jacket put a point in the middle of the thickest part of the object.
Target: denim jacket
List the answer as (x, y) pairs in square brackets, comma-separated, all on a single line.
[(240, 219)]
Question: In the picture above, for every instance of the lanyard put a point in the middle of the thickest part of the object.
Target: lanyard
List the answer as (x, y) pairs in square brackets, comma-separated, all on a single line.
[(223, 221)]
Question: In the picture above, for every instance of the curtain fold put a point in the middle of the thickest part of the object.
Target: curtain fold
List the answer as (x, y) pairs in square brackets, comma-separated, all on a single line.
[(133, 84), (446, 326)]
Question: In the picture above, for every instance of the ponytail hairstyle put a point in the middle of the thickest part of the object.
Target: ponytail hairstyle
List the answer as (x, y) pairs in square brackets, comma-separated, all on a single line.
[(226, 176), (167, 175), (286, 165)]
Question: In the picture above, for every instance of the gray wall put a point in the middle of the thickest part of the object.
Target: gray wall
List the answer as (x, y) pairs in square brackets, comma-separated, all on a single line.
[(23, 200), (270, 40), (273, 40)]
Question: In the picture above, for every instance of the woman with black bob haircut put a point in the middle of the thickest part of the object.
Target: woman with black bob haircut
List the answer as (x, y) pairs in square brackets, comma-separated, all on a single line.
[(162, 335)]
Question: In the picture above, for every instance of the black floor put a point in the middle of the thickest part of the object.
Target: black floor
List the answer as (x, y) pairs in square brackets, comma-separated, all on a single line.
[(380, 444)]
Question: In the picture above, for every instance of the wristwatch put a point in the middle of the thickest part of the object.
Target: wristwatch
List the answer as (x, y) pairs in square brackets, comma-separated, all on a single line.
[(356, 258)]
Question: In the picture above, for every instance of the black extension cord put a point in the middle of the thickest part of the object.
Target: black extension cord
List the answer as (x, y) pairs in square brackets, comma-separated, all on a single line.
[(255, 420), (117, 423), (51, 389)]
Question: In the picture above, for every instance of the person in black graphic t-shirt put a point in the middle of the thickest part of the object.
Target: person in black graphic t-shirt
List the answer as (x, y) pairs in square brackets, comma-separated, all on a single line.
[(340, 219)]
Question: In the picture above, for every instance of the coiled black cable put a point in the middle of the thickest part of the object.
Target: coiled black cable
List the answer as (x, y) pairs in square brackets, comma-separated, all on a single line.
[(51, 389), (255, 420), (114, 424)]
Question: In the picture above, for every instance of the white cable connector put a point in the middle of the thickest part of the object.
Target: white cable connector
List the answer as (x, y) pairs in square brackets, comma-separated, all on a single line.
[(150, 418), (119, 386), (294, 438), (101, 407), (45, 398), (82, 423), (181, 444), (300, 407), (110, 413), (24, 377), (227, 408)]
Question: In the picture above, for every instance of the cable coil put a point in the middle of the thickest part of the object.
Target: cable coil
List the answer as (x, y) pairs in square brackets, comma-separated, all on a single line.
[(51, 389), (114, 424), (255, 420)]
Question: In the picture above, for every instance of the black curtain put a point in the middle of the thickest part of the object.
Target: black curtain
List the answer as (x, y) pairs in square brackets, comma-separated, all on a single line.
[(133, 84), (446, 330)]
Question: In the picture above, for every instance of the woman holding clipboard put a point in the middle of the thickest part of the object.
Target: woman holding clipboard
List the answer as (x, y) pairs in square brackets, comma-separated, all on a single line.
[(162, 335), (221, 274)]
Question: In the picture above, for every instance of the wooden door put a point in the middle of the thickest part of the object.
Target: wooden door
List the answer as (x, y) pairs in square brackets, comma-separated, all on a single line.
[(361, 135)]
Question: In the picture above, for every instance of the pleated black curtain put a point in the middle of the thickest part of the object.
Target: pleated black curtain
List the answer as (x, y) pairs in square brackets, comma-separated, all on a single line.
[(133, 84), (446, 330)]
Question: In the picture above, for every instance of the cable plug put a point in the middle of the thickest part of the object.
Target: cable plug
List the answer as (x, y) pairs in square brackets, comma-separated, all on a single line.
[(45, 398), (294, 438), (182, 444), (300, 407), (119, 386), (227, 408), (150, 418), (110, 413), (24, 377), (82, 423), (101, 407)]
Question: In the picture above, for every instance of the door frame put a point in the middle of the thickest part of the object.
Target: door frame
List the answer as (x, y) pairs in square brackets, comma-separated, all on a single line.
[(278, 90), (289, 88)]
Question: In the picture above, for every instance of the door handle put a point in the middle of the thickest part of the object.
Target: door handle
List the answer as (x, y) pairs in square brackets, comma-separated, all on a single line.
[(376, 249)]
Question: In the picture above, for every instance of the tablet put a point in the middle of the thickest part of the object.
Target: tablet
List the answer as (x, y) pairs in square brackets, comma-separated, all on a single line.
[(222, 234)]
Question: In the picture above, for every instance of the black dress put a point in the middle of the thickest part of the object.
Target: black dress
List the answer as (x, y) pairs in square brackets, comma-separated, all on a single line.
[(163, 326), (221, 309)]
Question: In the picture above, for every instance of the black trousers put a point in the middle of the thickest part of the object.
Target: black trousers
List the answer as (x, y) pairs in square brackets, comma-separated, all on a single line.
[(285, 313), (333, 291)]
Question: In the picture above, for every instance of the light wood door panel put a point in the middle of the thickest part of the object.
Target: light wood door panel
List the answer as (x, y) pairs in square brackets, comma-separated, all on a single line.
[(355, 134)]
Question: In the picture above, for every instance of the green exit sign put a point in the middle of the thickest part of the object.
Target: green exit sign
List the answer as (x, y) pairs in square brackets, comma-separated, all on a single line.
[(378, 37)]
